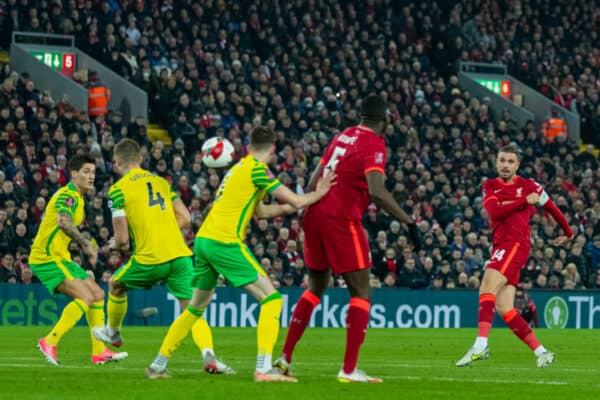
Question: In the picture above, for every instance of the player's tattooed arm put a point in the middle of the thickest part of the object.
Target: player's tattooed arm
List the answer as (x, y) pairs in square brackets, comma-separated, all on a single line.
[(65, 223)]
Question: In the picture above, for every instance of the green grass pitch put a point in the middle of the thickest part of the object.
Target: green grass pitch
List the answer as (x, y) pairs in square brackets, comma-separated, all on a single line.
[(414, 363)]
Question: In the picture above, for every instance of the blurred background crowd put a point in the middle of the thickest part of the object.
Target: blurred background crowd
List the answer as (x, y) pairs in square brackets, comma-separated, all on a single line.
[(218, 68)]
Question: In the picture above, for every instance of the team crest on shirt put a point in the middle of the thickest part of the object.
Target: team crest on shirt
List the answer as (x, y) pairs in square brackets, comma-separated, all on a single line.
[(70, 201), (378, 158), (519, 191)]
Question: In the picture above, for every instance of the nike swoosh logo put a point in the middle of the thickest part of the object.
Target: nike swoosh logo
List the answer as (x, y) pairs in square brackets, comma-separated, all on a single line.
[(497, 190)]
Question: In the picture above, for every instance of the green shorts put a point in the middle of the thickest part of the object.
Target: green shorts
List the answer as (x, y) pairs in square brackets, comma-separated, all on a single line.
[(232, 260), (176, 273), (53, 273)]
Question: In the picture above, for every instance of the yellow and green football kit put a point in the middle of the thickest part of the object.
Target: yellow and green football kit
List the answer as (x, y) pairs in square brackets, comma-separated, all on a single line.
[(159, 252), (219, 247), (49, 258)]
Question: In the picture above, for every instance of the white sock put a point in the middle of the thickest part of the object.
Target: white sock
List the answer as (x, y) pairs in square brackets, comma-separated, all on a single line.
[(480, 343), (206, 352), (539, 351), (264, 362), (159, 363)]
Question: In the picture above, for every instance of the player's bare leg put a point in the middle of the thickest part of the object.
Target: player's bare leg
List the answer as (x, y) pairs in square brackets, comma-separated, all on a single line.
[(357, 322), (521, 329), (493, 281), (318, 281)]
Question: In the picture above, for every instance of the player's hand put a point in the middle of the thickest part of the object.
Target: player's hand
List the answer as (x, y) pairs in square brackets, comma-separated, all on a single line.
[(533, 198), (562, 240), (415, 237), (325, 183), (111, 244), (92, 254)]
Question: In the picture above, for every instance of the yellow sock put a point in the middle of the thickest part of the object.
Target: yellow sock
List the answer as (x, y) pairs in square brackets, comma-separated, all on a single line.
[(202, 335), (267, 330), (69, 317), (179, 330), (95, 318), (116, 309)]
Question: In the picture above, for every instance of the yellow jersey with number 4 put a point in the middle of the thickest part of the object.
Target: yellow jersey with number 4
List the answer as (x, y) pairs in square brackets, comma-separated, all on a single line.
[(50, 241), (246, 183), (146, 200)]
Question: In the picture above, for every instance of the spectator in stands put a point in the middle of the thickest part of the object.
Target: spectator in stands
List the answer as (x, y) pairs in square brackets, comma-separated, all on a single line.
[(305, 81)]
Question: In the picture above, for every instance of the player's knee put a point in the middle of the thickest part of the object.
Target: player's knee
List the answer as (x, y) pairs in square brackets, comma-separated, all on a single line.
[(98, 295), (115, 288), (88, 298)]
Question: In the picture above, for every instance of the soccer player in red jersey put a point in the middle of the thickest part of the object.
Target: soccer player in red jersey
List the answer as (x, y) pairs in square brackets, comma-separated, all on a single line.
[(335, 240), (510, 202)]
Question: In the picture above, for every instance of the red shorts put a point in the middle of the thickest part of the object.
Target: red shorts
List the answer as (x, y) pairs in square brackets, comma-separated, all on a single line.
[(336, 243), (508, 258)]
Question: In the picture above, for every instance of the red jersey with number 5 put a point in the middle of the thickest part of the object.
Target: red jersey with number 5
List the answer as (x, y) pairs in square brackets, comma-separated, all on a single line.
[(351, 155)]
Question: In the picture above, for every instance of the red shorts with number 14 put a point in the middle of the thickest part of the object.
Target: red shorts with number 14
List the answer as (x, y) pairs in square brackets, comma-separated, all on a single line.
[(508, 258), (336, 243)]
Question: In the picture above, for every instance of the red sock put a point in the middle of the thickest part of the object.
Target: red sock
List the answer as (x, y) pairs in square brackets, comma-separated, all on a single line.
[(300, 320), (521, 329), (357, 322), (485, 316)]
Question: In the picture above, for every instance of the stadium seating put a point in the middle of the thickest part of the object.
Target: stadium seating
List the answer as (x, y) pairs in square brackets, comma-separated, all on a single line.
[(302, 70)]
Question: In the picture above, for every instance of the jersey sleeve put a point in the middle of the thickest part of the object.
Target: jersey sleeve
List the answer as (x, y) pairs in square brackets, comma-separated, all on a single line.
[(374, 153), (539, 189), (548, 205), (116, 201), (264, 179), (172, 193), (67, 203), (494, 207)]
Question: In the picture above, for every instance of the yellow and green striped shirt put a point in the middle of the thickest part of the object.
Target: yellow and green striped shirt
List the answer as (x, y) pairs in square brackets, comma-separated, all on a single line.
[(146, 200), (51, 242), (242, 188)]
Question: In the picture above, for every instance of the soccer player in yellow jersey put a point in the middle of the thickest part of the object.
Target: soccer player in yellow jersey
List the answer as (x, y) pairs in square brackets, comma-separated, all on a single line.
[(220, 249), (51, 261), (148, 214)]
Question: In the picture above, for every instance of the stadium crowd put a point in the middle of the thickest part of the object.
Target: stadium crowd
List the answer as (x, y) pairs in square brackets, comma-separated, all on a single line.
[(222, 67)]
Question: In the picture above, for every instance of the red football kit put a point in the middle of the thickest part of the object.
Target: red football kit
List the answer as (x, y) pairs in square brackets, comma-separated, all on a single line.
[(334, 235), (509, 213)]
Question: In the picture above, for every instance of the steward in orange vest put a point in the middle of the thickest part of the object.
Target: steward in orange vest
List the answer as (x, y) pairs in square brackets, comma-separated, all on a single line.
[(98, 97), (554, 127)]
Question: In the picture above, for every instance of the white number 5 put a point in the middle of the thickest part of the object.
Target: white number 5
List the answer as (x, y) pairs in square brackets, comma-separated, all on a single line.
[(333, 161)]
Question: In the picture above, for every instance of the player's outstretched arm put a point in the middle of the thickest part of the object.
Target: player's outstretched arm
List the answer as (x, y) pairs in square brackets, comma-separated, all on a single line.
[(547, 204), (284, 194), (184, 219), (65, 223), (383, 198), (264, 211)]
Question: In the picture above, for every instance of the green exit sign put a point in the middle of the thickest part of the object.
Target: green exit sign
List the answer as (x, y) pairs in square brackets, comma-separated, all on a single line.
[(60, 61), (499, 86)]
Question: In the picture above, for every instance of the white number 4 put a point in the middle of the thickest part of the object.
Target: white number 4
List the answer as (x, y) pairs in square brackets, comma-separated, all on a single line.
[(333, 161), (498, 255)]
